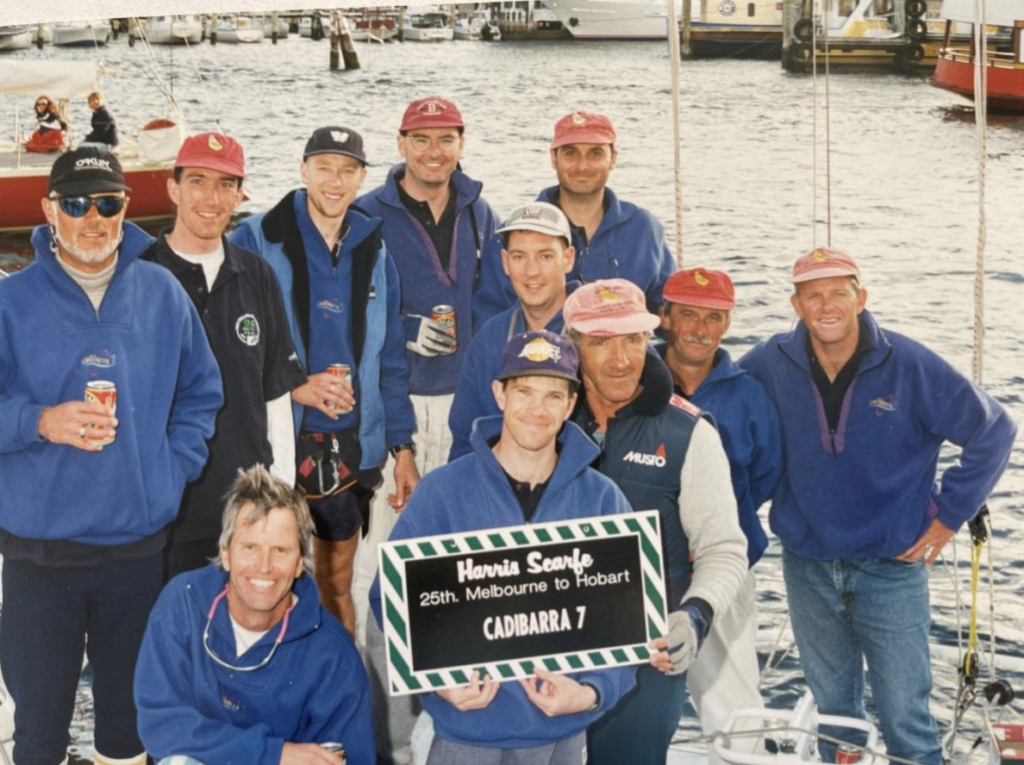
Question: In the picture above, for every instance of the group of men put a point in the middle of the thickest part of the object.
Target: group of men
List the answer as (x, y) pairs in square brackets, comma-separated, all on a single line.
[(282, 389)]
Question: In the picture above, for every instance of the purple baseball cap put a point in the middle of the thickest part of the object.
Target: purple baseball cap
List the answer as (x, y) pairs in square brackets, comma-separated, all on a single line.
[(540, 353)]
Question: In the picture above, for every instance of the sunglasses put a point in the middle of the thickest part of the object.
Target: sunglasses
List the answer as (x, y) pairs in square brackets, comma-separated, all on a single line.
[(78, 207)]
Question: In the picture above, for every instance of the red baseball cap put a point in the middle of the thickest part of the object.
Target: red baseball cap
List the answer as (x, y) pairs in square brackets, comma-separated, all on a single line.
[(608, 307), (212, 151), (701, 287), (431, 112), (583, 127), (824, 263)]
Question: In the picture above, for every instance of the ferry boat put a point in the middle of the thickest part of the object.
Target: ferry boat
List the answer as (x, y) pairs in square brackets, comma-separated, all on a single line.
[(147, 163), (1004, 66)]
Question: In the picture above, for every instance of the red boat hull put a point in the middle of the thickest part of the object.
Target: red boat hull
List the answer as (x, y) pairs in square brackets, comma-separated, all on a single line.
[(23, 190), (1005, 84)]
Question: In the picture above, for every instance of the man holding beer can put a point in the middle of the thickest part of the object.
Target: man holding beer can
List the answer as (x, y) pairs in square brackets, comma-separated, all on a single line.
[(239, 300), (87, 492)]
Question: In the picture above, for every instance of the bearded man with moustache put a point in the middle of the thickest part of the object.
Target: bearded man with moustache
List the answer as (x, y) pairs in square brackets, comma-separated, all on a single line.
[(695, 316), (89, 487), (861, 517), (341, 295), (239, 300), (612, 238)]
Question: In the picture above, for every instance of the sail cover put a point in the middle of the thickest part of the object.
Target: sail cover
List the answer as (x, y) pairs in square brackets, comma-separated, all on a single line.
[(56, 79)]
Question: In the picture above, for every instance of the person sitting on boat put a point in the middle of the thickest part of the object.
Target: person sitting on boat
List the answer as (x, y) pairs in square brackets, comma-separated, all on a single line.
[(240, 662), (612, 238), (50, 129), (525, 467), (239, 300), (105, 409), (104, 133), (859, 512), (341, 295), (536, 256), (695, 317), (664, 454), (434, 222)]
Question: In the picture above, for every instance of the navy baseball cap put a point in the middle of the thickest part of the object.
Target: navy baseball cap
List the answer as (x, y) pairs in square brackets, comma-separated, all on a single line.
[(335, 140), (540, 353)]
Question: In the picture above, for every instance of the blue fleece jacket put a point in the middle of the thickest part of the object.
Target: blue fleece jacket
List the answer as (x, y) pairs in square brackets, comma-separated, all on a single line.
[(473, 396), (385, 415), (752, 437), (313, 690), (628, 244), (486, 501), (147, 338), (869, 489), (427, 284)]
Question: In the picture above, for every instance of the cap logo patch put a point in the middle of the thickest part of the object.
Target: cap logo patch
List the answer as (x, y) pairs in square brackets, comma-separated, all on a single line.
[(820, 255), (214, 144), (578, 119), (432, 108), (92, 162), (701, 279), (531, 213), (608, 295), (339, 136), (540, 350)]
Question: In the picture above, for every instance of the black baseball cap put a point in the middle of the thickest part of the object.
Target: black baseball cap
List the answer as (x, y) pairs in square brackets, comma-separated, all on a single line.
[(86, 170), (335, 140), (540, 353)]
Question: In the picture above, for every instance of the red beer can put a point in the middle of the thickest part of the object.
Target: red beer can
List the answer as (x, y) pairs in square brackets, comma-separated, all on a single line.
[(445, 316), (101, 392), (847, 755), (335, 748), (344, 371)]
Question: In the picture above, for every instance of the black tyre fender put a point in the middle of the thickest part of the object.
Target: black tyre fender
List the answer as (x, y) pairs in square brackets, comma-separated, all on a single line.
[(803, 30), (800, 52), (916, 30), (912, 54), (916, 8)]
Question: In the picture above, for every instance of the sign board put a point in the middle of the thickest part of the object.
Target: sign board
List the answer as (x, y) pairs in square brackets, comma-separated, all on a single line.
[(570, 596)]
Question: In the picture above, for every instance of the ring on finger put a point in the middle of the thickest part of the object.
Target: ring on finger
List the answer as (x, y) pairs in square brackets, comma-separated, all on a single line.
[(81, 432)]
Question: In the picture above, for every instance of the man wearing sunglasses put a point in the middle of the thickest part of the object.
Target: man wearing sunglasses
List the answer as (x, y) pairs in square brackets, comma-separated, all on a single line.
[(240, 662), (239, 300), (612, 238), (89, 487)]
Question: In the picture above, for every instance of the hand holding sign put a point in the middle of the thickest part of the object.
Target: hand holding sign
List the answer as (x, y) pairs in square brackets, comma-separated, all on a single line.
[(558, 694), (477, 695)]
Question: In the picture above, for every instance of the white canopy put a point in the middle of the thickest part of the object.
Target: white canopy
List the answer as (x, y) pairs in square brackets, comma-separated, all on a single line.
[(998, 13), (57, 79)]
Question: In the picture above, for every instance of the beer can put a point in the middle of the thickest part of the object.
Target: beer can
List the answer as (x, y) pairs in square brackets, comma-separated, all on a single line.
[(335, 748), (445, 316), (101, 392), (847, 755), (344, 371)]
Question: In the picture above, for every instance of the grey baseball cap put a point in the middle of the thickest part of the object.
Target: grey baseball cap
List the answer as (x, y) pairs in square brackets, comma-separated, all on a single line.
[(541, 217)]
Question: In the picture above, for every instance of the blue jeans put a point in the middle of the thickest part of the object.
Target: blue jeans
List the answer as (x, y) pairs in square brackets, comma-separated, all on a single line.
[(846, 611)]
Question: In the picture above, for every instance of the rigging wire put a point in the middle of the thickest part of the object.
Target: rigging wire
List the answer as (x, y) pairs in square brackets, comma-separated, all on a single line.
[(675, 57)]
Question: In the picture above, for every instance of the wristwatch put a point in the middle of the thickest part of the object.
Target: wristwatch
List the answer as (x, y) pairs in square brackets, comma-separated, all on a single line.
[(597, 697), (402, 448)]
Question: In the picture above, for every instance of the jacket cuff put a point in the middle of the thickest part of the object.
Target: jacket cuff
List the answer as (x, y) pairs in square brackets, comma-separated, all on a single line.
[(28, 423), (704, 611)]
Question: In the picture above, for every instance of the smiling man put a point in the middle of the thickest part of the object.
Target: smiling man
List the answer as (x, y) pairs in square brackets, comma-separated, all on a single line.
[(342, 300), (612, 238), (537, 256), (243, 314), (240, 662), (859, 512), (90, 485), (525, 467)]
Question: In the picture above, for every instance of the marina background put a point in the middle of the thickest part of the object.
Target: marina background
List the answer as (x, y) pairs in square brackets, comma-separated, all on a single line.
[(904, 196)]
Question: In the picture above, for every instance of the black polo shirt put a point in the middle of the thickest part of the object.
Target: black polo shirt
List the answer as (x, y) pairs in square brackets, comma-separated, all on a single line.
[(248, 331), (441, 232), (834, 391)]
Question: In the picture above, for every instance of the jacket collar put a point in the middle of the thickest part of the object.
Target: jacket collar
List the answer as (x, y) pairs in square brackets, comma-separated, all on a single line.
[(467, 190), (794, 344), (615, 212), (133, 242), (656, 380), (161, 252), (577, 453)]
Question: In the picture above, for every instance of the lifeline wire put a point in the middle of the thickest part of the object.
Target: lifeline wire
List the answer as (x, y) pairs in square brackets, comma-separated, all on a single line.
[(815, 10), (980, 40), (675, 59)]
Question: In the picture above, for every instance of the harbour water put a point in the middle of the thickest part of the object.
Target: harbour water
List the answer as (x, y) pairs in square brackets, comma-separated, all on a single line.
[(903, 189)]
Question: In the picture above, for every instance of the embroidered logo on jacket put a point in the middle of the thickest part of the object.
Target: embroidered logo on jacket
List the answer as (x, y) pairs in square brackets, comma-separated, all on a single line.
[(685, 404), (248, 329), (231, 704), (102, 359), (651, 460), (330, 305), (882, 405)]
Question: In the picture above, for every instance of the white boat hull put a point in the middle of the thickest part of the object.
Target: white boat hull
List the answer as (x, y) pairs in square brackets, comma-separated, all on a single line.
[(430, 34), (614, 19), (81, 35), (178, 32), (16, 40), (233, 36)]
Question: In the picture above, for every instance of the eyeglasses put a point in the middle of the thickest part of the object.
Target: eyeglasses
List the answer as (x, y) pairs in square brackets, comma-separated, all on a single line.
[(78, 207), (446, 143), (210, 652)]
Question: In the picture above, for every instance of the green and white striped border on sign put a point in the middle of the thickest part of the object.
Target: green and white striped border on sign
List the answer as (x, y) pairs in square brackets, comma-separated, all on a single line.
[(404, 679)]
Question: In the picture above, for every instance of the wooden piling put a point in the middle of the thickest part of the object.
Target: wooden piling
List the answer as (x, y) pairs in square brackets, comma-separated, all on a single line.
[(335, 41), (39, 36), (401, 24), (213, 29), (273, 27), (348, 46), (686, 50)]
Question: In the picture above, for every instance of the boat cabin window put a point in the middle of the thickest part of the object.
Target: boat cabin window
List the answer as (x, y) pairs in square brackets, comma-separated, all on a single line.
[(751, 10)]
